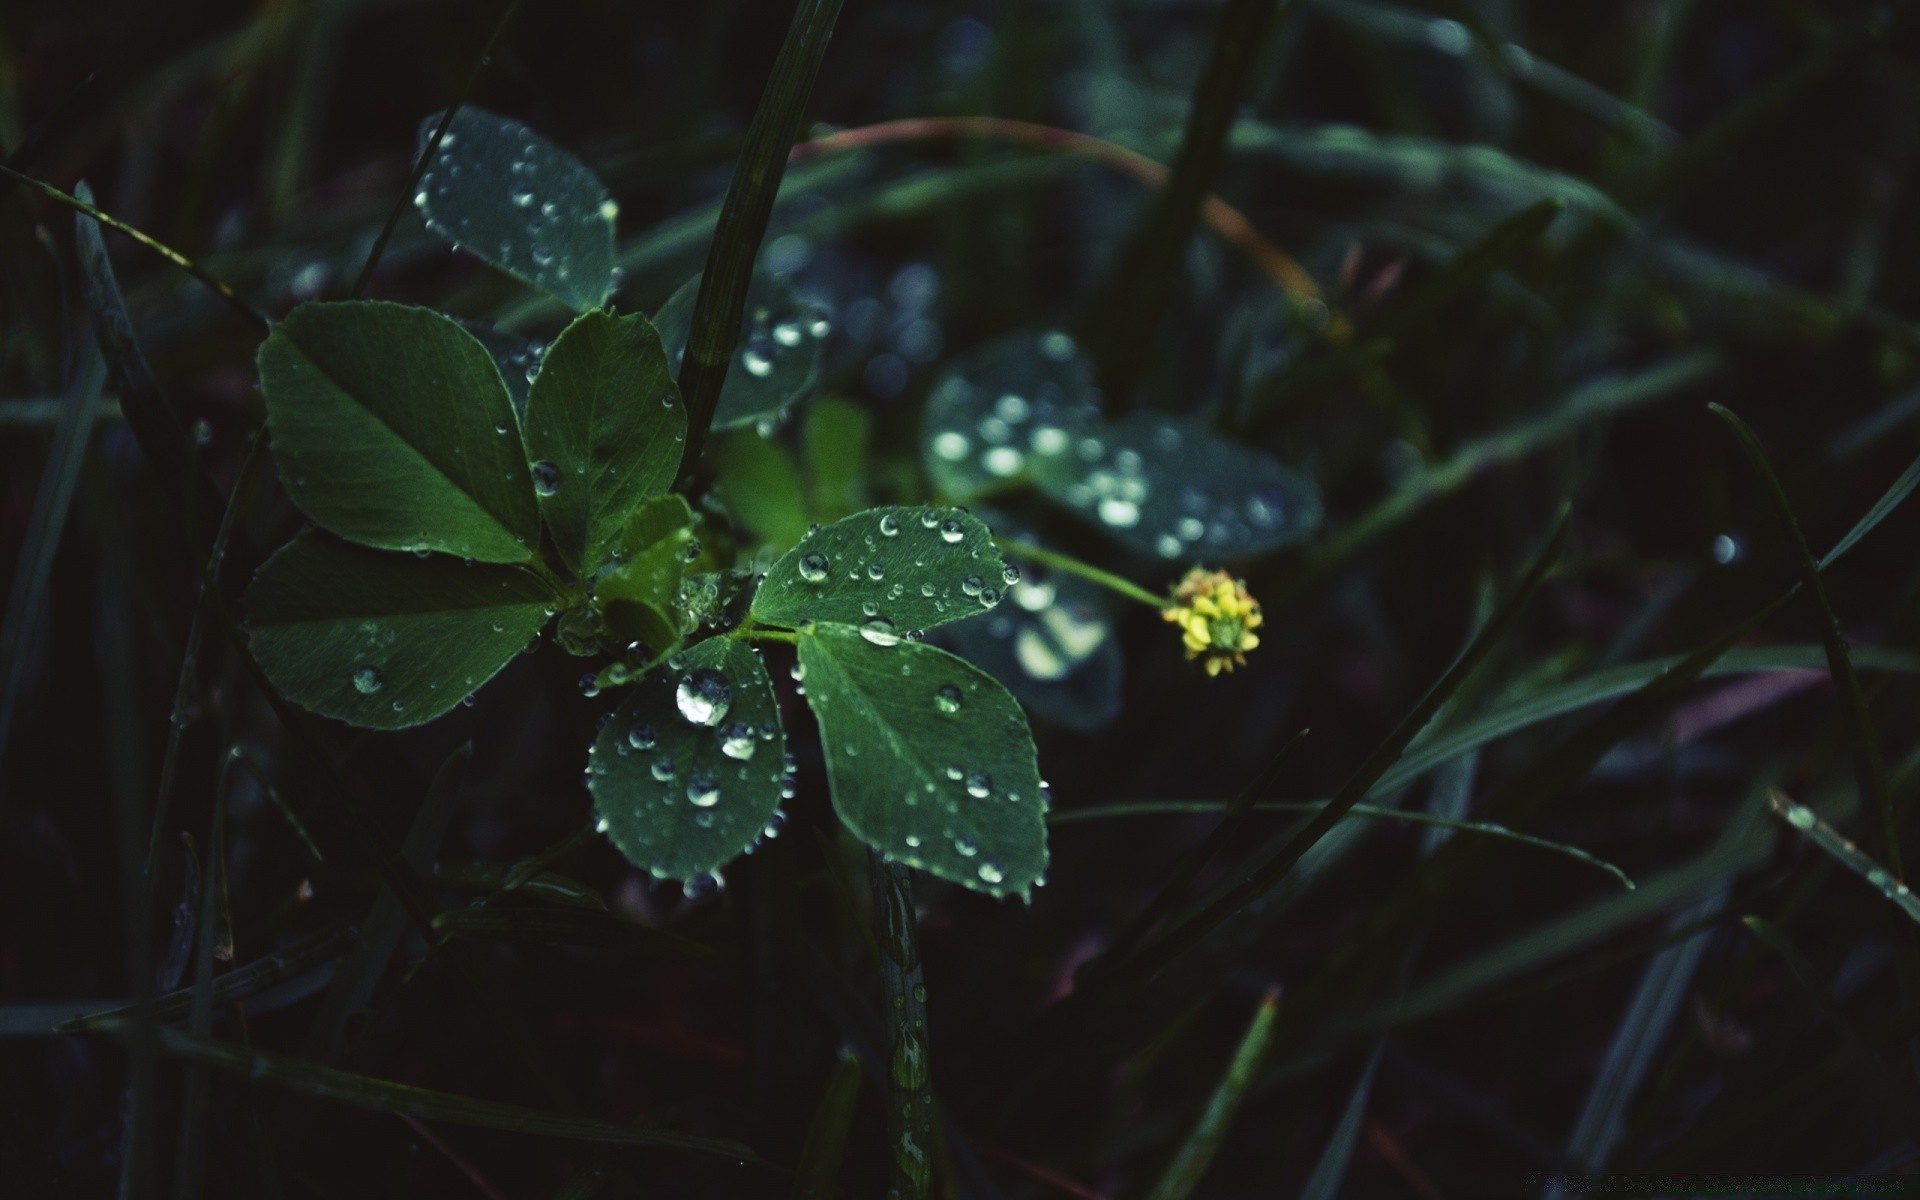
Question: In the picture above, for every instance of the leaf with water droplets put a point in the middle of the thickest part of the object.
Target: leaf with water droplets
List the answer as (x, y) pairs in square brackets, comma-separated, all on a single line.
[(1175, 489), (1000, 412), (689, 771), (386, 640), (930, 760), (517, 357), (605, 418), (892, 571), (502, 192), (391, 427), (777, 361), (638, 595)]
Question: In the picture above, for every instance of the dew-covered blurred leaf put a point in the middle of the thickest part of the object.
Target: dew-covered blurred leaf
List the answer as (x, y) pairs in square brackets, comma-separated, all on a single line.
[(760, 485), (517, 357), (1002, 409), (1175, 489), (502, 192), (605, 429), (391, 426), (930, 760), (1052, 645), (691, 768), (777, 362), (835, 437), (386, 640), (891, 571)]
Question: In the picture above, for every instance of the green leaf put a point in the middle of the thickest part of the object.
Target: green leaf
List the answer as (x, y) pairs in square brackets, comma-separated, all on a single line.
[(638, 596), (692, 766), (891, 570), (391, 426), (930, 760), (500, 191), (835, 437), (1175, 489), (517, 357), (1005, 407), (777, 362), (761, 487), (386, 640), (605, 428)]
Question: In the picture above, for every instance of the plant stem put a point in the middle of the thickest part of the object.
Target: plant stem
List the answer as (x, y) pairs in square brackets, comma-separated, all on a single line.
[(1073, 566), (909, 1091)]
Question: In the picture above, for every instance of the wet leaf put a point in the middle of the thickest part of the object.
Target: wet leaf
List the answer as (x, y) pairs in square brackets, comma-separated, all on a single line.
[(891, 571)]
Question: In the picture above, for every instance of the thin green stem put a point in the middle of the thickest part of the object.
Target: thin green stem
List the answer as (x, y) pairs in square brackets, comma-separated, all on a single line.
[(909, 1089), (165, 251), (1073, 566), (761, 634)]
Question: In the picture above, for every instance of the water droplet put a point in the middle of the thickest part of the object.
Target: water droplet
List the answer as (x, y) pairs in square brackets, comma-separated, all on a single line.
[(880, 632), (757, 364), (1119, 513), (609, 210), (965, 846), (1003, 461), (814, 567), (889, 526), (641, 737), (703, 697), (951, 530), (951, 446), (737, 741), (546, 478), (947, 699), (990, 873), (979, 785), (601, 826), (368, 680), (703, 790), (876, 572), (664, 768)]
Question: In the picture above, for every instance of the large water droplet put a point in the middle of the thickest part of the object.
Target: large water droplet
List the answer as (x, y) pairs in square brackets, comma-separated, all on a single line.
[(880, 632), (664, 768), (703, 790), (889, 526), (979, 785), (814, 567), (641, 737), (737, 741), (546, 478), (704, 697), (951, 530)]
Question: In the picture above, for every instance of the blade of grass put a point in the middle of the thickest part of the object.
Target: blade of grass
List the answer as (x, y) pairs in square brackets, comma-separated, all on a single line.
[(1870, 772), (721, 303), (1196, 859), (1144, 808), (817, 1176), (1890, 500), (1270, 863), (1835, 844), (236, 986), (1135, 301), (196, 1089), (908, 1072), (1656, 1005), (1330, 1169), (52, 502), (1196, 1153), (400, 1099)]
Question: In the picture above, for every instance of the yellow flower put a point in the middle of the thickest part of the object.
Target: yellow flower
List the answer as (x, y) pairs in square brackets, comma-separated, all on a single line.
[(1217, 616)]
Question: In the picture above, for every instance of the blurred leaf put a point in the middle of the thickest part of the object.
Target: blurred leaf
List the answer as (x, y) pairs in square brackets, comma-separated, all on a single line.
[(392, 427), (690, 769), (761, 488), (386, 640), (930, 760), (836, 436), (1053, 644), (500, 191), (1000, 409), (892, 571), (778, 362), (604, 432)]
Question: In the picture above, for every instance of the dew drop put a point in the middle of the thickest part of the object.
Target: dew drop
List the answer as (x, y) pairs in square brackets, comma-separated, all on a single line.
[(546, 478), (703, 790), (951, 530), (947, 699), (641, 737), (737, 741), (979, 785), (814, 567), (664, 768), (880, 632), (703, 697)]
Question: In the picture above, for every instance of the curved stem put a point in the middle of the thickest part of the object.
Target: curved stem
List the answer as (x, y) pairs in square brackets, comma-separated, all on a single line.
[(1087, 571)]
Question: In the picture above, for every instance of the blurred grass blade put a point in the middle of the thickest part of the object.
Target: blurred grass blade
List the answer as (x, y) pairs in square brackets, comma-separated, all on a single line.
[(190, 1159), (1496, 250), (818, 1175), (1901, 489), (908, 1073), (1196, 859), (33, 569), (1330, 1170), (1835, 844), (1134, 302), (360, 972), (1196, 1154), (1657, 1003), (401, 1099), (1143, 808), (569, 927), (1870, 772), (718, 310), (1267, 865), (257, 977)]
